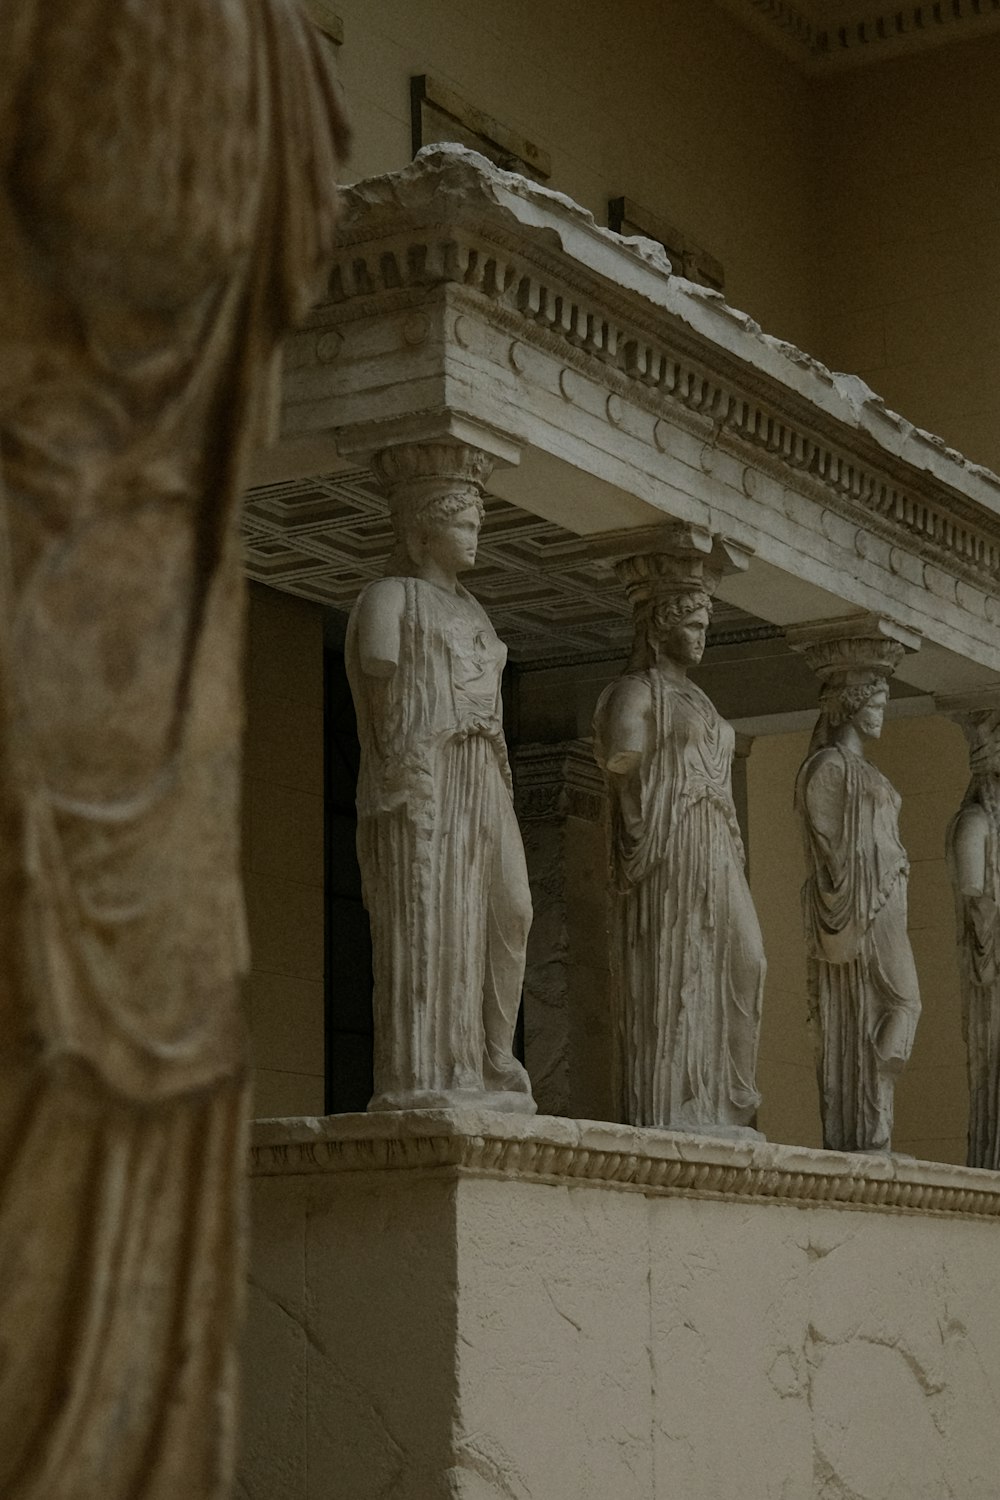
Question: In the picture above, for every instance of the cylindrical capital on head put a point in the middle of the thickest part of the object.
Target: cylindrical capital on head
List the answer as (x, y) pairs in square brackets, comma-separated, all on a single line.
[(657, 577), (854, 650)]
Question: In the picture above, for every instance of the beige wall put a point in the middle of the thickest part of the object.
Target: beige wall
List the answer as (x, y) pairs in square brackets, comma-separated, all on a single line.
[(465, 1308), (668, 102), (908, 237), (925, 759), (283, 850)]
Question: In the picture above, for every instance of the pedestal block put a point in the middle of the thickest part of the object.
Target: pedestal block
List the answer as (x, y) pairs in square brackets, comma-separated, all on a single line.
[(466, 1306)]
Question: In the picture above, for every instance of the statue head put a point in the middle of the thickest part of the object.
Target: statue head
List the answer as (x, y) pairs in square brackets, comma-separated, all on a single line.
[(445, 530), (678, 626), (857, 699), (860, 703)]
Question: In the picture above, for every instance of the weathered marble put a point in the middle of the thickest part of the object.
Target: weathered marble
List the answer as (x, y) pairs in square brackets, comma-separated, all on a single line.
[(442, 861), (687, 956), (561, 804), (864, 999), (148, 154), (588, 1305), (973, 850)]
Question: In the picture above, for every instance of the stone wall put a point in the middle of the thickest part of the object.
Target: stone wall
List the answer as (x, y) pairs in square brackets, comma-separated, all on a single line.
[(283, 850), (907, 224), (463, 1306)]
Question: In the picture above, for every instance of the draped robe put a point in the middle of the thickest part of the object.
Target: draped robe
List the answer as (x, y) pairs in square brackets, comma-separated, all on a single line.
[(863, 994), (687, 955), (441, 858), (166, 211), (978, 930)]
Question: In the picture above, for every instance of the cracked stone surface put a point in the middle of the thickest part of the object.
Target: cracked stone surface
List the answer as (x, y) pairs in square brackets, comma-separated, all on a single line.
[(437, 1334)]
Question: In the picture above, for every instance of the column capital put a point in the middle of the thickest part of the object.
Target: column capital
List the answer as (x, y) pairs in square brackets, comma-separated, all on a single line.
[(428, 469), (852, 648)]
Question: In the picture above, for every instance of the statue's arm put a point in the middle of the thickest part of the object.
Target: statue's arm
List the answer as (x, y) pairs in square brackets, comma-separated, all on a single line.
[(626, 726), (969, 842), (824, 801), (380, 617)]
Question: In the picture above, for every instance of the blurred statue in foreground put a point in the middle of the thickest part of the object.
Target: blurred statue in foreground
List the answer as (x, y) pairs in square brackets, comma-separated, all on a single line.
[(973, 846), (166, 205), (440, 851), (864, 1001), (687, 956)]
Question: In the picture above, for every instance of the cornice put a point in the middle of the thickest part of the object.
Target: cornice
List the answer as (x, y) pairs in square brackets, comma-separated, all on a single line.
[(571, 1153), (553, 279), (826, 35)]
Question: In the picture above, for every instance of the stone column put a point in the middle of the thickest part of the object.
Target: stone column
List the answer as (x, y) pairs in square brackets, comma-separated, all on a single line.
[(442, 863), (973, 849), (561, 805), (863, 995), (687, 959)]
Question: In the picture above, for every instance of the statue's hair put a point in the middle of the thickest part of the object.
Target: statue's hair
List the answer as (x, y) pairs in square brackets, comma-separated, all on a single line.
[(839, 702), (660, 612), (676, 607), (409, 520)]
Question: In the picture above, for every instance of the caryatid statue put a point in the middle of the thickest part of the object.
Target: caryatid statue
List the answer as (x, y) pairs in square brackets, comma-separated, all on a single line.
[(442, 863), (687, 956), (973, 849), (864, 1001), (167, 208)]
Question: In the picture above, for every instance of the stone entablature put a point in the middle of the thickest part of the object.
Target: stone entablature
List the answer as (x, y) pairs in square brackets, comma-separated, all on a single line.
[(558, 781), (470, 303), (563, 1152)]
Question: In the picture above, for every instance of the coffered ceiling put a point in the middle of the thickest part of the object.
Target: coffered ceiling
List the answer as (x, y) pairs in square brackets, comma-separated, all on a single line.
[(825, 34), (549, 597)]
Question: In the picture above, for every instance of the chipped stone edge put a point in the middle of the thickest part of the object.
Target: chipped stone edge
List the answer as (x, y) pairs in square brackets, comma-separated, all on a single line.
[(449, 184), (658, 1163)]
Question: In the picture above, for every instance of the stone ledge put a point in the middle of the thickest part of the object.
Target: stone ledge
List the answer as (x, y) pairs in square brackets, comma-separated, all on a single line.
[(658, 1163)]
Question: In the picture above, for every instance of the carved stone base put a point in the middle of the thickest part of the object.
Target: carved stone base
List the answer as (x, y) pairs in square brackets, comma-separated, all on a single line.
[(455, 1306)]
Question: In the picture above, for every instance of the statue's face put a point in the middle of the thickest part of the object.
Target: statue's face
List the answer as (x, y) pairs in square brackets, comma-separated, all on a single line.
[(452, 542), (684, 639), (870, 717)]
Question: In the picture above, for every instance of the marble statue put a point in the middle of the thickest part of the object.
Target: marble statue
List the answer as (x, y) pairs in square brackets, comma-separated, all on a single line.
[(687, 956), (973, 848), (442, 862), (864, 1001), (166, 212)]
